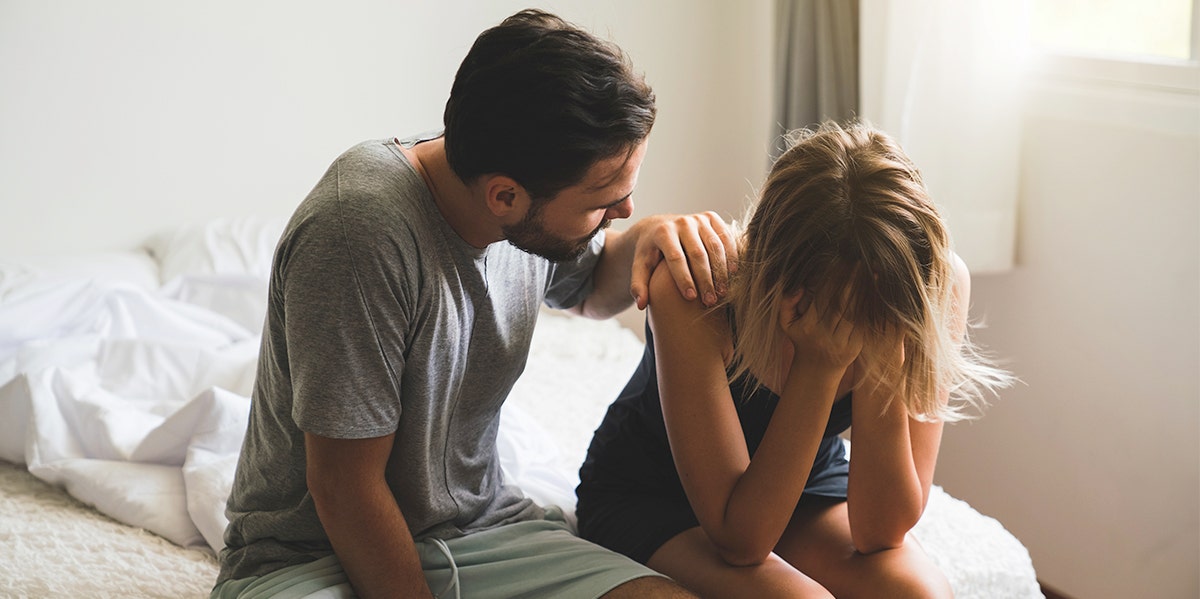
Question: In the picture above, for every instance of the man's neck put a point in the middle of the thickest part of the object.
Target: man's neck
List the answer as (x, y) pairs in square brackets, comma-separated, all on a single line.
[(458, 203)]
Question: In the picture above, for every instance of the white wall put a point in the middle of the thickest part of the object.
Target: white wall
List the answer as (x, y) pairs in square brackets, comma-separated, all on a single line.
[(1094, 462), (120, 117)]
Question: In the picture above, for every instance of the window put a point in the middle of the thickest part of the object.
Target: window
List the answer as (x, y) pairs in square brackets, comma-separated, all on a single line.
[(1152, 29), (1145, 43)]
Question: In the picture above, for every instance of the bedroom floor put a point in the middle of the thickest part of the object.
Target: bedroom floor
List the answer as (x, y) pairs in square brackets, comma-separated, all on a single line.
[(42, 531)]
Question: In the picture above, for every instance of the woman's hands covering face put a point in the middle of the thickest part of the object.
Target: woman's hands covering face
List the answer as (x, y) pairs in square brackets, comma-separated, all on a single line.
[(823, 337)]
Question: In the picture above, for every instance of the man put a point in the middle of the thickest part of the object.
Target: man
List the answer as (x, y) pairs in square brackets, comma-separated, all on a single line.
[(403, 297)]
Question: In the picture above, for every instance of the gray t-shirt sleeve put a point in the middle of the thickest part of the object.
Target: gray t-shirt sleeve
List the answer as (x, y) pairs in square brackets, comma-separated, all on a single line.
[(345, 313), (571, 282)]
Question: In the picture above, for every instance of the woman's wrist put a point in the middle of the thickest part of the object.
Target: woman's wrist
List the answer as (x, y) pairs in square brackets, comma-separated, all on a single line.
[(811, 367), (814, 377)]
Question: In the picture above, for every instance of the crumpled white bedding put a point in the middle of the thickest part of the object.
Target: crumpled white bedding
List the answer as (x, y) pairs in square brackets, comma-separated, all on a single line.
[(133, 398)]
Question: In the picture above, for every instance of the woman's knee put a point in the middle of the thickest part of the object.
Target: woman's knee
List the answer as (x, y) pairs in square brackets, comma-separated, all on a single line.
[(911, 576), (692, 560), (649, 586)]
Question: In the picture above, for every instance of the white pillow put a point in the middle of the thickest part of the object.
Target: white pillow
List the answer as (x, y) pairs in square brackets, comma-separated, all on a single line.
[(135, 267), (225, 246)]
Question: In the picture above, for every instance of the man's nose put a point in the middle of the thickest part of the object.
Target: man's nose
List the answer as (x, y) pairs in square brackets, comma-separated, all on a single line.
[(622, 210)]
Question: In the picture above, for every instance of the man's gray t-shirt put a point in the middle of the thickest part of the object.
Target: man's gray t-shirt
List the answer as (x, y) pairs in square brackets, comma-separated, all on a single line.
[(382, 319)]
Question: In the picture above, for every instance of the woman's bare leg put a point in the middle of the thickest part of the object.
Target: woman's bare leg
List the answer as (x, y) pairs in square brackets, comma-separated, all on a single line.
[(649, 587), (692, 560), (817, 541)]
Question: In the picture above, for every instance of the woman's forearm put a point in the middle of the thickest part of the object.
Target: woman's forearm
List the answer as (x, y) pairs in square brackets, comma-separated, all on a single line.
[(762, 502), (886, 495)]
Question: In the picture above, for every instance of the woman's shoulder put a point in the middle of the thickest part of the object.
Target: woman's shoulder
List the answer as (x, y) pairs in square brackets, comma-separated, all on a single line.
[(962, 274), (962, 290), (671, 314)]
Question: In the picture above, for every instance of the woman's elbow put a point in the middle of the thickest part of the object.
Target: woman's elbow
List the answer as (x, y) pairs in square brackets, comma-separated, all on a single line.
[(743, 554), (867, 543), (872, 532), (867, 547)]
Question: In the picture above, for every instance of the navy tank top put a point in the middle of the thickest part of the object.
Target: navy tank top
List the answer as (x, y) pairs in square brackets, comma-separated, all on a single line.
[(630, 452)]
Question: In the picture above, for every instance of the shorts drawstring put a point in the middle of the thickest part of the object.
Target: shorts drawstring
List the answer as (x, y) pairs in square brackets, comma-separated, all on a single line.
[(453, 570)]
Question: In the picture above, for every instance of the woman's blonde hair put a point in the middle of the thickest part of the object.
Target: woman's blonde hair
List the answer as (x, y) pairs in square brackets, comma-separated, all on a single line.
[(845, 208)]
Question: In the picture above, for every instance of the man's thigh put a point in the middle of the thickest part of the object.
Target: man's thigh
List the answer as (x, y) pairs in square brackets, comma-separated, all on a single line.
[(539, 558)]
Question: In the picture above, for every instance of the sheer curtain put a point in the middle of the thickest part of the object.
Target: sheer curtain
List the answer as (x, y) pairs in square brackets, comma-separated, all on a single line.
[(944, 77)]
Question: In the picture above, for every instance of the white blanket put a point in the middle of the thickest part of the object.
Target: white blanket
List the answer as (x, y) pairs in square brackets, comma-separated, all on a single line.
[(133, 401)]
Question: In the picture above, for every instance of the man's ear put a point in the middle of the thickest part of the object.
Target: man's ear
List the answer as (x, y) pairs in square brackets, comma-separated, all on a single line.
[(505, 197)]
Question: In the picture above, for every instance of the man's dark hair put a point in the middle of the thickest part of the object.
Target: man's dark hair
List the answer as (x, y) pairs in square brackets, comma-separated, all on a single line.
[(541, 101)]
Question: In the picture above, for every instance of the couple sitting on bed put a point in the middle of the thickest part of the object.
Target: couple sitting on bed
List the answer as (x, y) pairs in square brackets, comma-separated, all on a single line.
[(398, 321)]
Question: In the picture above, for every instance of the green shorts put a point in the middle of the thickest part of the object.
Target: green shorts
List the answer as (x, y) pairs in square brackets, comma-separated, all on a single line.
[(537, 558)]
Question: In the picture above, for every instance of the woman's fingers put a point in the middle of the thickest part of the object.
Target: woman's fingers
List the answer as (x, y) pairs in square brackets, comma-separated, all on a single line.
[(841, 338), (816, 331), (791, 309)]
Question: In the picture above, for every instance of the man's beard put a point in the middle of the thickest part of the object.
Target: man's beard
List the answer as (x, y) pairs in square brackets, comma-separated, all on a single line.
[(530, 236)]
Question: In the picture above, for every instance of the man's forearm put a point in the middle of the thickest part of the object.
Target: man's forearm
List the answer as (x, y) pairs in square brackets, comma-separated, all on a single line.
[(696, 248), (373, 543), (611, 277)]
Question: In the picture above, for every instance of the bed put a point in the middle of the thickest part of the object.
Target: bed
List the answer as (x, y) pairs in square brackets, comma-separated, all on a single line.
[(124, 383)]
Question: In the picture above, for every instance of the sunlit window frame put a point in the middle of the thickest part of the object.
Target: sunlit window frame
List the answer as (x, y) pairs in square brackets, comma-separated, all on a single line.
[(1161, 74)]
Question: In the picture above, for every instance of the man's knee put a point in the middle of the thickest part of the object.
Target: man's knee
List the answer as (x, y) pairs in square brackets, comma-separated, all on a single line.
[(650, 586)]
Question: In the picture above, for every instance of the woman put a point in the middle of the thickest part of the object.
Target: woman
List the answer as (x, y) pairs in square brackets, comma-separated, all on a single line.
[(720, 464)]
